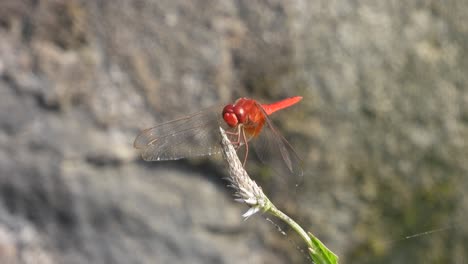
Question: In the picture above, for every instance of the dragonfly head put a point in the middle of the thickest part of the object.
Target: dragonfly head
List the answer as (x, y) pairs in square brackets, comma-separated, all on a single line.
[(234, 115)]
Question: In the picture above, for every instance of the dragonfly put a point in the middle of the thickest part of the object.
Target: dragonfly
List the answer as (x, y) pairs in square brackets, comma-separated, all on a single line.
[(246, 122)]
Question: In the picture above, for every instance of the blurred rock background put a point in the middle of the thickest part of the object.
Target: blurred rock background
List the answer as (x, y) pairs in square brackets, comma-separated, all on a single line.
[(382, 128)]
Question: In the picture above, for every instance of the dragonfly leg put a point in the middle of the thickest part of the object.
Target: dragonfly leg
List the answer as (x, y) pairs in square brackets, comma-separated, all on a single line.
[(244, 139), (241, 140), (231, 133), (237, 142)]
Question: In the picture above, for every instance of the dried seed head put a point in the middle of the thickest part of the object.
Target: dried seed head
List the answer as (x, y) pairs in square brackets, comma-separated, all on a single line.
[(246, 190)]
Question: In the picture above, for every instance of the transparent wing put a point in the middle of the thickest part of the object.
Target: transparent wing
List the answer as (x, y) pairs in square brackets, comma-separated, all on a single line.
[(194, 135), (275, 151)]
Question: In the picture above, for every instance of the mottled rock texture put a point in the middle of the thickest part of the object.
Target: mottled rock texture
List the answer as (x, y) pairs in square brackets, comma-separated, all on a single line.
[(382, 129)]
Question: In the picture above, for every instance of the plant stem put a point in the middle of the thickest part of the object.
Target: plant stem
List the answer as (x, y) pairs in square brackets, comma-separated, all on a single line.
[(295, 226)]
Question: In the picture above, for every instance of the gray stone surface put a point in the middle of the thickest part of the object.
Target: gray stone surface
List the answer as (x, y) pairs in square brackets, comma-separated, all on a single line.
[(382, 128)]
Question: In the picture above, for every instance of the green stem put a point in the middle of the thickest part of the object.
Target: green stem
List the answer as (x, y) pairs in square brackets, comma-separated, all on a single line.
[(319, 253), (299, 230)]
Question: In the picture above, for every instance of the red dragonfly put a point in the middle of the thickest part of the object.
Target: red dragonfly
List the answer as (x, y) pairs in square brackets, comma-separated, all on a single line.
[(198, 134)]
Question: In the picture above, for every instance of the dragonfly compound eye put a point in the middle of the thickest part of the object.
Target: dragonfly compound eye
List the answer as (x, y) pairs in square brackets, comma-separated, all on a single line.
[(241, 115), (229, 116)]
